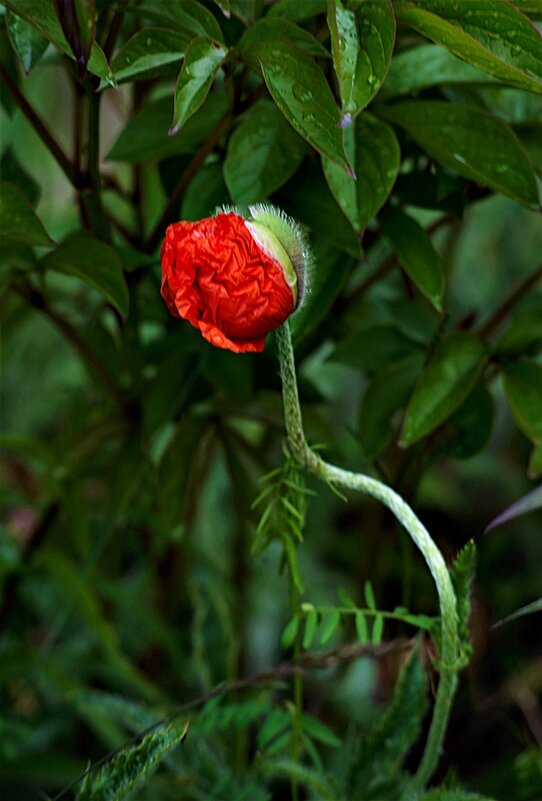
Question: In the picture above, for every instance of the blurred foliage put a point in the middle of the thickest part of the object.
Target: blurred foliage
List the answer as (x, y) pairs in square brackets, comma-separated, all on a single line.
[(137, 583)]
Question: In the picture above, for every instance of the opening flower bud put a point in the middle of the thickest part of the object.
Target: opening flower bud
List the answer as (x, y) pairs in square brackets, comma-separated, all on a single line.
[(233, 279)]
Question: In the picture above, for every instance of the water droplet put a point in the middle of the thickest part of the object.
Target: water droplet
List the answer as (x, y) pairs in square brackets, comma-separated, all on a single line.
[(460, 158), (500, 169)]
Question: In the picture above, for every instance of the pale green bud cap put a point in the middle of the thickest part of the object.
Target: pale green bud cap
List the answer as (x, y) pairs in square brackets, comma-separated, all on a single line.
[(289, 236), (272, 246)]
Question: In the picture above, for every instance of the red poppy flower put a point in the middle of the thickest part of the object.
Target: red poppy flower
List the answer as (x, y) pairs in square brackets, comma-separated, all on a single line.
[(228, 277)]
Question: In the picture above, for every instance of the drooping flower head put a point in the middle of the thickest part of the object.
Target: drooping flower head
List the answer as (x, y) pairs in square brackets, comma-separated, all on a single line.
[(234, 279)]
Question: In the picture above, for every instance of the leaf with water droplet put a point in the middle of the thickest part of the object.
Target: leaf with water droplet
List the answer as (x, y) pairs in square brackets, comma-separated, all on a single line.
[(495, 37), (471, 142), (201, 62), (299, 88), (147, 52), (372, 148), (362, 39)]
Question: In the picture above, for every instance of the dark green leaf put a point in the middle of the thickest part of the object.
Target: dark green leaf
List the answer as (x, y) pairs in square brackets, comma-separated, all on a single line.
[(263, 153), (523, 335), (415, 253), (523, 387), (276, 28), (225, 7), (447, 380), (201, 62), (18, 220), (12, 171), (300, 90), (204, 195), (326, 285), (189, 17), (147, 51), (362, 39), (490, 34), (95, 263), (27, 42), (245, 10), (42, 16), (131, 766), (471, 142), (428, 65), (307, 198), (298, 9), (144, 138), (78, 21), (373, 348), (373, 151), (535, 462), (469, 428), (311, 621), (388, 392)]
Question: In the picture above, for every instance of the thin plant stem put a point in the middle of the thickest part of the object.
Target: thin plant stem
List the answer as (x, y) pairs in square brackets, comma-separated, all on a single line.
[(500, 314), (39, 126), (336, 476), (89, 357)]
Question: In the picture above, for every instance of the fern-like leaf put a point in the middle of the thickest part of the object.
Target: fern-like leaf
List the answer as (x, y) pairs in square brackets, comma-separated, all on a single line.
[(462, 577), (130, 767), (375, 761)]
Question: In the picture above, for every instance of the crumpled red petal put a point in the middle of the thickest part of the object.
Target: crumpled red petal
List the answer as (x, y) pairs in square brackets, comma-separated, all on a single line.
[(216, 276)]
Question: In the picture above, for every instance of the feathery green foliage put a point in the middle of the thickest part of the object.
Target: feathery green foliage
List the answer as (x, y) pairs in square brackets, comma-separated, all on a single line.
[(131, 766)]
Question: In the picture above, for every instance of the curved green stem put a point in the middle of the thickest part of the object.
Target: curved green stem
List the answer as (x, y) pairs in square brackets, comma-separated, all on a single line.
[(449, 645)]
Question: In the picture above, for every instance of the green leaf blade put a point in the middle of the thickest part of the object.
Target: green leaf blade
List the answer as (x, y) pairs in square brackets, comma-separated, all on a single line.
[(301, 92), (146, 51), (18, 220), (131, 766), (201, 63), (490, 34), (448, 379), (523, 388), (372, 149), (95, 263), (470, 142), (362, 39), (263, 153), (28, 43), (415, 253)]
